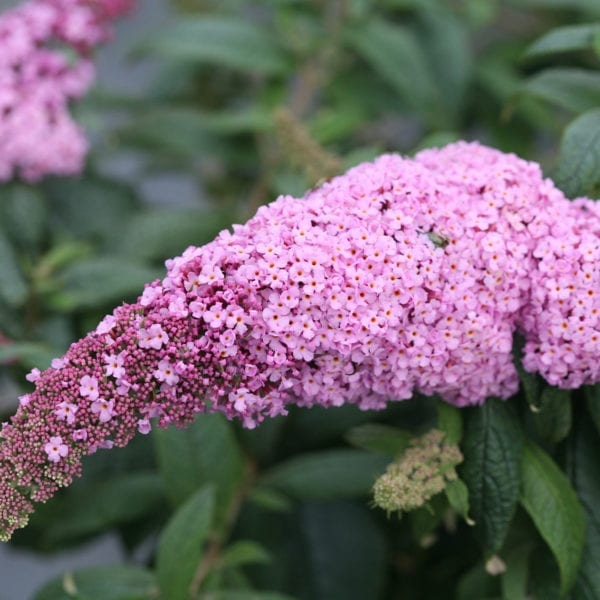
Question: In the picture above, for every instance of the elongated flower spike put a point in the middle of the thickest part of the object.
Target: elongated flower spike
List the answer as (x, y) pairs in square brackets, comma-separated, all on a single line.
[(44, 65), (342, 296)]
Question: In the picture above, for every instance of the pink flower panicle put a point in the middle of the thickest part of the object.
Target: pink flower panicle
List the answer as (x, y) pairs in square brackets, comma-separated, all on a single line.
[(44, 64), (400, 276)]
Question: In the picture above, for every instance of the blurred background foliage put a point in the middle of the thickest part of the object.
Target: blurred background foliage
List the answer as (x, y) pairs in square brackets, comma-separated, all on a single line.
[(251, 100)]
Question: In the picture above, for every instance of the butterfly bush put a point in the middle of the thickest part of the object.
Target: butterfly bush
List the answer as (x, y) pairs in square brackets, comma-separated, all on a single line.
[(44, 65), (400, 276)]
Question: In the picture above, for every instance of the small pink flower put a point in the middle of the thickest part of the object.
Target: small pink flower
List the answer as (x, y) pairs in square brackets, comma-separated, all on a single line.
[(65, 411), (104, 409), (55, 449), (144, 426), (165, 372), (33, 375), (58, 363), (80, 435), (153, 337), (114, 365), (88, 387)]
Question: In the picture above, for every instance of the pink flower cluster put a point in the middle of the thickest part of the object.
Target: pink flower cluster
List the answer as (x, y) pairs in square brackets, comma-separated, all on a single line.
[(44, 64), (400, 276)]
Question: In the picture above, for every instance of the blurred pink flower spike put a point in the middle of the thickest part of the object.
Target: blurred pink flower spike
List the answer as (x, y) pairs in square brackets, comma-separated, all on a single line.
[(45, 63)]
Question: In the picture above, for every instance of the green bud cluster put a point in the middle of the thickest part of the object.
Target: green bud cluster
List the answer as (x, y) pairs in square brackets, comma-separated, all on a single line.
[(419, 474)]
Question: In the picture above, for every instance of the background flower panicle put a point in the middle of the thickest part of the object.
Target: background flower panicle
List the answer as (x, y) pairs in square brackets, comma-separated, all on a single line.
[(400, 276), (45, 64)]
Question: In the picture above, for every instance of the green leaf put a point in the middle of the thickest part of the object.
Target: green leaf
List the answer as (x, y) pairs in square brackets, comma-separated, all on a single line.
[(91, 207), (29, 354), (327, 475), (514, 579), (181, 544), (394, 52), (244, 552), (544, 576), (269, 499), (24, 214), (583, 454), (550, 501), (160, 234), (477, 584), (492, 450), (437, 139), (571, 88), (168, 132), (458, 497), (379, 438), (344, 551), (13, 289), (206, 452), (450, 421), (532, 387), (591, 7), (564, 39), (446, 44), (101, 583), (91, 282), (592, 394), (552, 417), (100, 506), (232, 42), (579, 163), (244, 595)]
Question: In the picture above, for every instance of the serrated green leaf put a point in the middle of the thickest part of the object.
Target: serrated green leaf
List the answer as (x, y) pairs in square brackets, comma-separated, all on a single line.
[(550, 501), (244, 552), (330, 474), (571, 88), (583, 454), (579, 163), (395, 53), (564, 39), (379, 438), (204, 453), (552, 417), (101, 583), (230, 41), (450, 421), (492, 449), (13, 287), (181, 544)]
